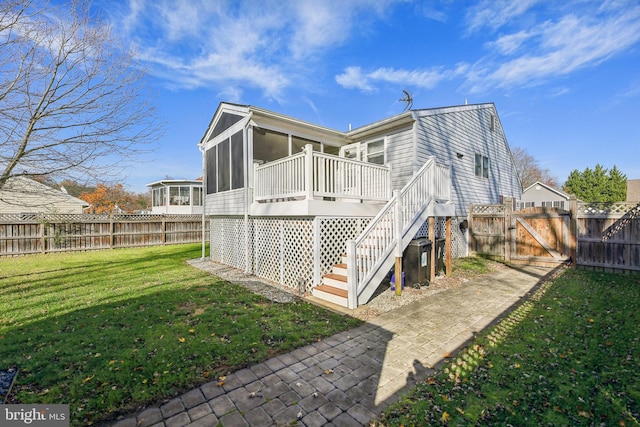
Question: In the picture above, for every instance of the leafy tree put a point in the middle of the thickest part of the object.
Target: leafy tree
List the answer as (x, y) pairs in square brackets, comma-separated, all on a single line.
[(530, 171), (72, 101), (598, 185), (111, 199)]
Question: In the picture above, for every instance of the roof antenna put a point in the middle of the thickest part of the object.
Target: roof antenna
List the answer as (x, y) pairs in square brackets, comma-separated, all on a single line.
[(408, 99)]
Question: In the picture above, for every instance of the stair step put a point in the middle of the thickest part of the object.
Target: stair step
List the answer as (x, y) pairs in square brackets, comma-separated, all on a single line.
[(335, 280), (340, 269), (331, 294)]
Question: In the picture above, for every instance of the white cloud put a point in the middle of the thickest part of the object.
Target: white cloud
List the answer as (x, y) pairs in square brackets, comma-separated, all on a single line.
[(354, 78), (262, 44), (496, 13), (556, 49)]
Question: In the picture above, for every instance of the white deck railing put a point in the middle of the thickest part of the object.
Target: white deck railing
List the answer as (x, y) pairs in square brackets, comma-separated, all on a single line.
[(311, 174), (393, 227)]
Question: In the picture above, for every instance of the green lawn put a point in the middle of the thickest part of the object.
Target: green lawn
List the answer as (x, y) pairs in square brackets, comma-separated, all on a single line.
[(568, 356), (110, 331)]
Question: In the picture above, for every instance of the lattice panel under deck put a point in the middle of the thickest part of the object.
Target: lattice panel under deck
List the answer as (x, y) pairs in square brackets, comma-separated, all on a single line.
[(334, 234), (297, 270), (283, 251), (227, 241)]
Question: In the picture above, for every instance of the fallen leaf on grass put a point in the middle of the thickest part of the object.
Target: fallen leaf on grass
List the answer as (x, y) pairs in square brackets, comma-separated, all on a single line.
[(182, 339), (86, 380), (445, 417)]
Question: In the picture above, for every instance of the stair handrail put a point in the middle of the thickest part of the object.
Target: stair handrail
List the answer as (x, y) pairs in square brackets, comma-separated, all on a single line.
[(363, 257)]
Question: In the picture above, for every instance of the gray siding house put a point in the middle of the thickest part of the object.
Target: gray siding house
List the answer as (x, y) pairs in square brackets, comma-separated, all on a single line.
[(301, 204), (542, 195)]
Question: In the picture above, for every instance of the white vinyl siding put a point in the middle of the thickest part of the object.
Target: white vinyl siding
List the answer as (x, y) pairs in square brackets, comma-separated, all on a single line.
[(455, 136), (401, 157), (227, 203)]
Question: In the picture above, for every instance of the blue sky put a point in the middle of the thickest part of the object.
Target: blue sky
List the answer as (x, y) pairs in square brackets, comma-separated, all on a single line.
[(564, 75)]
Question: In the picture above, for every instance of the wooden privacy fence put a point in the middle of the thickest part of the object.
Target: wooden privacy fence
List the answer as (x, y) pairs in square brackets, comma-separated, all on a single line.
[(549, 236), (22, 234)]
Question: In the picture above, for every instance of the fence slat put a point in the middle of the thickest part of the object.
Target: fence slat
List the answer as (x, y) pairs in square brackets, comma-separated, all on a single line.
[(43, 233)]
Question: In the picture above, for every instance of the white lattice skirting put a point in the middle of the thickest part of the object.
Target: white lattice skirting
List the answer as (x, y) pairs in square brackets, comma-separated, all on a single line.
[(297, 252)]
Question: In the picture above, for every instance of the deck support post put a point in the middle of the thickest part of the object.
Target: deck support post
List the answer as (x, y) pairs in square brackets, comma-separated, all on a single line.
[(397, 223), (432, 238), (448, 246)]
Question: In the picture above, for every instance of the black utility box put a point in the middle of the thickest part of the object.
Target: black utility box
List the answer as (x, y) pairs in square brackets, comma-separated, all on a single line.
[(416, 262)]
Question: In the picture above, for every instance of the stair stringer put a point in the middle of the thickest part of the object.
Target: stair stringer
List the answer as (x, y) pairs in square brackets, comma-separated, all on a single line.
[(371, 283)]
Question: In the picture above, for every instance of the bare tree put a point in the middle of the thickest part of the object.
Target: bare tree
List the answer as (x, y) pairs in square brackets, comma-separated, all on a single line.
[(73, 104), (529, 170)]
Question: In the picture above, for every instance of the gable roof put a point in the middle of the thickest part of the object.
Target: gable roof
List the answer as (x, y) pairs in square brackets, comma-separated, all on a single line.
[(260, 115), (22, 194), (195, 182), (548, 187)]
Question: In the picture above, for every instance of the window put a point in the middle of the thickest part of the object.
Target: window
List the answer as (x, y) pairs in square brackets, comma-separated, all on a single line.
[(298, 143), (375, 152), (482, 166), (212, 174), (269, 145), (547, 204), (529, 204), (197, 196), (179, 195), (224, 178), (237, 161), (157, 196), (558, 204)]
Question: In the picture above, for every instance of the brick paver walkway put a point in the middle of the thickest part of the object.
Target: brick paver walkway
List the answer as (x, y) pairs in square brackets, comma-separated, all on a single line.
[(349, 378)]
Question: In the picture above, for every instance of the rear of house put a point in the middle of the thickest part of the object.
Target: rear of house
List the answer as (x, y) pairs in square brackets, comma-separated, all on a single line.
[(284, 197)]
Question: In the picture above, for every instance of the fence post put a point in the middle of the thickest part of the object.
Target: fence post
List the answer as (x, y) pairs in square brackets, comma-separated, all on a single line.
[(508, 229), (43, 240), (111, 231), (164, 230), (573, 230)]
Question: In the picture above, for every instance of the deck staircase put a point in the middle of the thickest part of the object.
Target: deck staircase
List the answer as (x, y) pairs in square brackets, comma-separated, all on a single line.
[(369, 258)]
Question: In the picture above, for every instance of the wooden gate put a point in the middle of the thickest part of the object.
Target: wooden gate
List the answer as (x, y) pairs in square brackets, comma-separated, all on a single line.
[(539, 236)]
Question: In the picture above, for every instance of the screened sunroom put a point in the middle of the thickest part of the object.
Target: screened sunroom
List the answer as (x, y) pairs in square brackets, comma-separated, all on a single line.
[(257, 162), (176, 196)]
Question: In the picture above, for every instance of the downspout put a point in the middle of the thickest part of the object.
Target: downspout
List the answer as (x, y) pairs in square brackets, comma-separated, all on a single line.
[(204, 197)]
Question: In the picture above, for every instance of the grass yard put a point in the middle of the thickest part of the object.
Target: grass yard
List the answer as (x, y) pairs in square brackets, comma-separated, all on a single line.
[(568, 356), (108, 332)]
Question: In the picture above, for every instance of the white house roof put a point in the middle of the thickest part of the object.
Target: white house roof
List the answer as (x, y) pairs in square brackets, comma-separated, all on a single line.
[(175, 182)]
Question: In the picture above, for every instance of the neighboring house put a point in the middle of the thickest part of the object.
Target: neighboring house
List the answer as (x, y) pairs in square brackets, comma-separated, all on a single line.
[(22, 195), (176, 196), (633, 190), (326, 212), (543, 195)]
